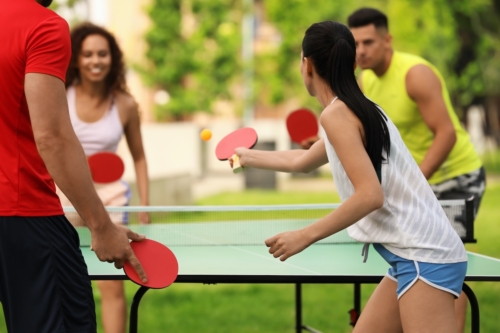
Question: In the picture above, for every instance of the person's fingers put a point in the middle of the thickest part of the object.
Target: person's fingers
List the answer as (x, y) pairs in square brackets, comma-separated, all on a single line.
[(103, 257), (279, 252), (238, 151), (138, 267), (270, 241), (275, 247), (135, 236), (284, 257), (119, 264)]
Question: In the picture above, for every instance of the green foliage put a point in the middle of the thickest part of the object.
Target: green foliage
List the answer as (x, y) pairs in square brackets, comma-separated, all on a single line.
[(194, 48), (474, 69), (424, 27), (291, 19), (491, 162), (461, 38)]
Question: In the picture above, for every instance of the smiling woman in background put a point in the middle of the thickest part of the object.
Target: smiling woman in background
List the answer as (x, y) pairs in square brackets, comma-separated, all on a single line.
[(101, 111)]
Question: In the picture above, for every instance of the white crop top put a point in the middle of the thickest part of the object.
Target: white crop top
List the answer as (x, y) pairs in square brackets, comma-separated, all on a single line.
[(101, 135), (411, 223)]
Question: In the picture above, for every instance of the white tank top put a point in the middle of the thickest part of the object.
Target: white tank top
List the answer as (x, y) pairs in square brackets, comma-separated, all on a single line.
[(101, 135), (411, 223)]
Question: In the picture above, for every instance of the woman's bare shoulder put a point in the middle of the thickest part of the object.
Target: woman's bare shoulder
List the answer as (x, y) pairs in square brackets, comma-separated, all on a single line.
[(126, 101), (127, 106), (338, 113)]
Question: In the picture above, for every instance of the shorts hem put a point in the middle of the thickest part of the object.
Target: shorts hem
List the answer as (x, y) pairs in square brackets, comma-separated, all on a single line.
[(429, 283), (391, 277), (438, 286), (412, 282)]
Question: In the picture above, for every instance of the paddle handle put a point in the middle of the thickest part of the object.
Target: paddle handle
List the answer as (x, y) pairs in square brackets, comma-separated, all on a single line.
[(237, 168)]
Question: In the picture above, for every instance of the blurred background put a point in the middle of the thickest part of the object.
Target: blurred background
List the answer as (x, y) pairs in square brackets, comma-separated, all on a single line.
[(221, 64)]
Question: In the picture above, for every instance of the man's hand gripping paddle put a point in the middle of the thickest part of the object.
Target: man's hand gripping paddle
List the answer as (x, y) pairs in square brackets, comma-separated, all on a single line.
[(243, 137), (157, 260)]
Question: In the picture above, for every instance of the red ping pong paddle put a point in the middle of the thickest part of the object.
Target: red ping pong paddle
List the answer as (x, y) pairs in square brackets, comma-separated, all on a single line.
[(301, 125), (157, 260), (243, 137), (106, 167)]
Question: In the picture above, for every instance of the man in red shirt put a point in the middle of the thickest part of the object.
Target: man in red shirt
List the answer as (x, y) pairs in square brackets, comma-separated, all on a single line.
[(44, 284)]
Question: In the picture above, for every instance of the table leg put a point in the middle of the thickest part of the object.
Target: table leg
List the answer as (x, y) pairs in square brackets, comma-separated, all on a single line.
[(134, 309), (298, 312), (298, 308), (474, 307), (356, 311)]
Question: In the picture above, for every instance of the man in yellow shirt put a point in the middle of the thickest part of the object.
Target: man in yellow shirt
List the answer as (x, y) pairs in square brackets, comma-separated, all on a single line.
[(414, 95)]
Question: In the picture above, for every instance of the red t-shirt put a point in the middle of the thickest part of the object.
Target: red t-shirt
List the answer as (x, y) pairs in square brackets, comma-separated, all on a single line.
[(33, 40)]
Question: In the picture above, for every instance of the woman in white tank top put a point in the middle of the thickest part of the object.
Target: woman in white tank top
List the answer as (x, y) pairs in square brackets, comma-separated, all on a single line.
[(385, 198), (101, 111)]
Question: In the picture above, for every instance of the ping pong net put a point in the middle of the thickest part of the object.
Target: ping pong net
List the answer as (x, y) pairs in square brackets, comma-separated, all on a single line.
[(245, 225)]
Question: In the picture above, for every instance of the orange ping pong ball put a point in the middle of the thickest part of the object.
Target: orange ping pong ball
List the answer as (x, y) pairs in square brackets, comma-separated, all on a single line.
[(206, 134)]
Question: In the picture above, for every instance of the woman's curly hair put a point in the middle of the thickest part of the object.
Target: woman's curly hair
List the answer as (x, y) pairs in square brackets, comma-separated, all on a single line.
[(115, 80)]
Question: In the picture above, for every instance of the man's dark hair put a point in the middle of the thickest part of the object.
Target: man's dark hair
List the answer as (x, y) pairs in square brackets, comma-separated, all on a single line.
[(366, 16)]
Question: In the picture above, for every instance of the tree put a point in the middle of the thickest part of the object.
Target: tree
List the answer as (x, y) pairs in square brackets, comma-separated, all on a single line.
[(277, 74), (194, 47), (461, 38)]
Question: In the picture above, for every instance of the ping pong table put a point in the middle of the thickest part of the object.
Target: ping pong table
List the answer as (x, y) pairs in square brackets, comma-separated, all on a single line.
[(231, 250)]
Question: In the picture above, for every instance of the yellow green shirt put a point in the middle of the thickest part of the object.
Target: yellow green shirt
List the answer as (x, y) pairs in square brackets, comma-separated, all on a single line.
[(389, 91)]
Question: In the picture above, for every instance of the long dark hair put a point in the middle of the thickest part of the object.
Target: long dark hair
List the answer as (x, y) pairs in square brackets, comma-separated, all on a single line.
[(331, 48), (115, 81)]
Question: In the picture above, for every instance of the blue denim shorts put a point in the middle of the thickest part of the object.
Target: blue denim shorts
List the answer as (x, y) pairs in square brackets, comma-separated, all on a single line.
[(446, 277)]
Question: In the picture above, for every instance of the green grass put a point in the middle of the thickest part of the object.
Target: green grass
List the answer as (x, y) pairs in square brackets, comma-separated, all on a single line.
[(491, 162), (269, 308), (487, 232), (263, 197)]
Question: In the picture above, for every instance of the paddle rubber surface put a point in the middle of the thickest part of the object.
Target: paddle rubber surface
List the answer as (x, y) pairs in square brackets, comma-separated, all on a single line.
[(106, 167), (243, 137), (301, 124), (158, 261)]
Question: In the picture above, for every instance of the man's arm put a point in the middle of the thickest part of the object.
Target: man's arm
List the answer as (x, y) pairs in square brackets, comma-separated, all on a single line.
[(424, 87), (65, 160)]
